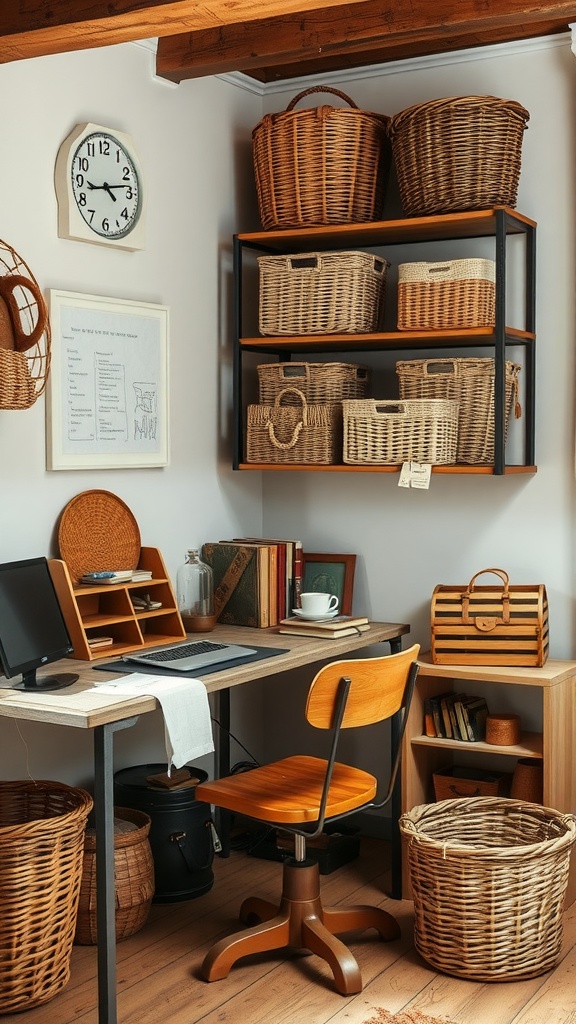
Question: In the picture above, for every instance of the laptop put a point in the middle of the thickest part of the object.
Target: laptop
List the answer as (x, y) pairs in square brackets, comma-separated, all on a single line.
[(190, 656)]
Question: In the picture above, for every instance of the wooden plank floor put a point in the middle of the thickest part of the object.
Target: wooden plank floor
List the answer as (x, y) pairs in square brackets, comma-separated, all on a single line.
[(158, 968)]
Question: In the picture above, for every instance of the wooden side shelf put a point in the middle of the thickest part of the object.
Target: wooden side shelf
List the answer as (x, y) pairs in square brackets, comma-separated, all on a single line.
[(107, 610)]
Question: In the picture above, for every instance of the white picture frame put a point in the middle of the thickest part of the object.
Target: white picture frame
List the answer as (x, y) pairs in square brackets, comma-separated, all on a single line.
[(107, 390)]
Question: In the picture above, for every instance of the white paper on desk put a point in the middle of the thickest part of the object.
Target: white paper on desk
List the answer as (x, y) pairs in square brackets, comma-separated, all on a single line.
[(184, 703)]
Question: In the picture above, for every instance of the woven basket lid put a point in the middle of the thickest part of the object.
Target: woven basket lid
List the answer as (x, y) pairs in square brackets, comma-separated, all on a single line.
[(98, 532)]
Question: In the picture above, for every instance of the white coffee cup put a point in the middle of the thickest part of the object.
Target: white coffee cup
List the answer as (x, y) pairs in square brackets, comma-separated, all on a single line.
[(318, 604)]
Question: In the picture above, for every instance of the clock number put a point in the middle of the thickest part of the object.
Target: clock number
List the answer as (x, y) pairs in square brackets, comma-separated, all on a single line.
[(83, 163), (124, 213), (91, 148), (129, 193), (104, 146), (79, 180), (81, 199), (106, 225), (125, 173)]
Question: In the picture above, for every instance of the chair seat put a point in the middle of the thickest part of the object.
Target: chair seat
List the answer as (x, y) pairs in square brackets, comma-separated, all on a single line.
[(289, 791)]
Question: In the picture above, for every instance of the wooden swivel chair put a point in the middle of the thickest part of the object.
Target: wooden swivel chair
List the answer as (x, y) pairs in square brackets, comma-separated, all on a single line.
[(299, 795)]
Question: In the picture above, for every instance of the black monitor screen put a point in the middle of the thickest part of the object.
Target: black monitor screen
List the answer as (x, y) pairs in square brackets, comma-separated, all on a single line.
[(33, 632)]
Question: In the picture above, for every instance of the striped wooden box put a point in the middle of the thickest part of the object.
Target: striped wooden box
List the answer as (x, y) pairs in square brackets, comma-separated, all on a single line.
[(497, 624)]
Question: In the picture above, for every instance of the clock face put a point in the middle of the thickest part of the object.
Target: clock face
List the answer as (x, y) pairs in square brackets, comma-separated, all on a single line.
[(105, 185)]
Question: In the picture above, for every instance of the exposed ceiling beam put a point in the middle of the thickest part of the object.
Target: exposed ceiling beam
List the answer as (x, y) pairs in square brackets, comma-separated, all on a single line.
[(364, 32), (34, 28)]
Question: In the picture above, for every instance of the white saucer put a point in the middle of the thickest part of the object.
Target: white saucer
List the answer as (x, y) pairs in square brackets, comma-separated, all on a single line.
[(315, 618)]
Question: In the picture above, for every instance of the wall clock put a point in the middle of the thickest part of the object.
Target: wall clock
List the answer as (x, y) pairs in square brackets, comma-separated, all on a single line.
[(99, 188)]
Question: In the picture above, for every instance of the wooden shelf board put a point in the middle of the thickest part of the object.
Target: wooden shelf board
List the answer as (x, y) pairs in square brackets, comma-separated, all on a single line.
[(339, 468), (474, 337), (530, 745)]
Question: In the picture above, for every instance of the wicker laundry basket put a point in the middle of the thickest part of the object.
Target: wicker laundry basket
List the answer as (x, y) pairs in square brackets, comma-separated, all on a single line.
[(321, 165), (489, 876), (470, 383), (42, 828), (133, 877), (387, 433), (458, 153), (321, 293)]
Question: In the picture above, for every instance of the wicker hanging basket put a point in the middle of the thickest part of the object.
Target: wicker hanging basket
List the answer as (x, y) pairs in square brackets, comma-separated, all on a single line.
[(42, 828), (489, 876), (24, 333), (321, 165), (458, 153)]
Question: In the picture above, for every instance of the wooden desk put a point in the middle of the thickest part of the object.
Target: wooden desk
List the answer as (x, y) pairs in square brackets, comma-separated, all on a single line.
[(82, 707)]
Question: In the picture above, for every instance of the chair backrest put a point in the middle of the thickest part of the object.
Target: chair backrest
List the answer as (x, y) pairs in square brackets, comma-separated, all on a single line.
[(378, 689)]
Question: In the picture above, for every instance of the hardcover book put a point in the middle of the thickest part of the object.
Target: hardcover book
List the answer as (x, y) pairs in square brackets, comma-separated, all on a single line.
[(314, 629), (241, 582)]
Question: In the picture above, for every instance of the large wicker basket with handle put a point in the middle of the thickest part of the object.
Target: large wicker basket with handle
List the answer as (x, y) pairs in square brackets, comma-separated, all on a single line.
[(488, 876), (300, 433), (321, 165), (42, 828), (458, 153)]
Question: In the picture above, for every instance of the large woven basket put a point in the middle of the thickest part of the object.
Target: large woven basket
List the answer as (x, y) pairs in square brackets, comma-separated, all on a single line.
[(321, 165), (319, 382), (390, 432), (470, 382), (41, 844), (321, 293), (25, 336), (489, 876), (442, 296), (458, 153), (133, 877), (294, 433)]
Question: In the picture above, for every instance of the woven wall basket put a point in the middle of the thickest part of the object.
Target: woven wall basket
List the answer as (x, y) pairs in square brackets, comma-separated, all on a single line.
[(458, 153), (321, 165), (24, 333), (489, 876), (42, 828)]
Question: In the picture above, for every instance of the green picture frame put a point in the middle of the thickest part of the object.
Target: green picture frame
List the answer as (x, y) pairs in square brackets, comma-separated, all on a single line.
[(330, 574)]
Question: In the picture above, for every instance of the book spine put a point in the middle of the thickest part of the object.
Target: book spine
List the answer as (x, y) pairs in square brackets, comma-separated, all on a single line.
[(429, 727), (298, 573)]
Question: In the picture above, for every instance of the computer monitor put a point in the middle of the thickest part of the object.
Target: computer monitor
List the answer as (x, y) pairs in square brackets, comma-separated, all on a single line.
[(33, 632)]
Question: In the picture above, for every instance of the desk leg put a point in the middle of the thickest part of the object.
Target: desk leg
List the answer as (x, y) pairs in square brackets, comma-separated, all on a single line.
[(222, 744), (106, 897), (396, 803)]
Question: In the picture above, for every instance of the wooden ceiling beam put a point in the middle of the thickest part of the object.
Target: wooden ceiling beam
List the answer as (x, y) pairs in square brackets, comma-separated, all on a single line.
[(34, 28), (357, 33)]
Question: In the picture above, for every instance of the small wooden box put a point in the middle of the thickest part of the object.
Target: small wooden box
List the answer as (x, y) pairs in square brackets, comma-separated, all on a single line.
[(498, 624), (454, 781)]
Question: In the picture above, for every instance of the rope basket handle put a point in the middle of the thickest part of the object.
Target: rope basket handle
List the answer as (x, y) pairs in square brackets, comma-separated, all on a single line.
[(297, 429), (487, 623), (321, 88)]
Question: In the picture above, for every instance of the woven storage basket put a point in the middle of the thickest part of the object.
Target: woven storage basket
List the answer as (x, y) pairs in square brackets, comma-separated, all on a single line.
[(41, 843), (390, 432), (458, 153), (470, 382), (321, 292), (294, 433), (440, 296), (488, 878), (321, 165), (25, 336), (318, 382), (133, 877)]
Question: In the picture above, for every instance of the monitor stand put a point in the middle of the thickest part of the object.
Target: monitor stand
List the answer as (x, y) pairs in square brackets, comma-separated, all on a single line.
[(31, 684)]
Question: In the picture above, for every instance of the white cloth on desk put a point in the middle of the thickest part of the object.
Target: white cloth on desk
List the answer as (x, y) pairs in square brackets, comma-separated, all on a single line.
[(184, 703)]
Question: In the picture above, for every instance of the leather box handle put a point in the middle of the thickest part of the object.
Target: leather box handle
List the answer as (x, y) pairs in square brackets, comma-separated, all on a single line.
[(486, 623)]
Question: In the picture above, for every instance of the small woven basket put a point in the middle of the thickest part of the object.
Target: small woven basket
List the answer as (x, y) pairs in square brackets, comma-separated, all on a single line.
[(318, 382), (133, 877), (489, 876), (441, 296), (470, 383), (321, 165), (321, 293), (25, 335), (387, 433), (294, 433), (458, 153), (42, 828)]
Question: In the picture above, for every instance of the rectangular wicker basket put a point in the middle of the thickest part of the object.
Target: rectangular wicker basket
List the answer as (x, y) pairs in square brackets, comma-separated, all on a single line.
[(470, 383), (319, 382), (321, 293), (391, 432), (441, 296), (282, 433)]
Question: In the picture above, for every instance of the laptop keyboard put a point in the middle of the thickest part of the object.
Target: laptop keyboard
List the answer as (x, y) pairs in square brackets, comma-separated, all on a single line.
[(186, 651)]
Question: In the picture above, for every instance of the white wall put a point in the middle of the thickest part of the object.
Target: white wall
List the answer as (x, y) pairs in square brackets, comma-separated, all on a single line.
[(194, 145)]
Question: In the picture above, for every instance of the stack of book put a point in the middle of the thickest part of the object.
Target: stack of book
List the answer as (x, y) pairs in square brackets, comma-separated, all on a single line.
[(456, 716), (340, 625), (257, 582)]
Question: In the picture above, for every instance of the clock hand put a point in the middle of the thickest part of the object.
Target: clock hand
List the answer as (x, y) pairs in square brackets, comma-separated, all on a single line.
[(108, 189)]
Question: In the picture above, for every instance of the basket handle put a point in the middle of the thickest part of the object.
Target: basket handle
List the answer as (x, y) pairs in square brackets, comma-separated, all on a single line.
[(487, 622), (321, 88), (297, 429), (456, 792)]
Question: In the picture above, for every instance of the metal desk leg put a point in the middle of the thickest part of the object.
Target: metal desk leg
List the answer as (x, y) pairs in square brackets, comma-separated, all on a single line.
[(396, 802), (106, 902), (222, 744)]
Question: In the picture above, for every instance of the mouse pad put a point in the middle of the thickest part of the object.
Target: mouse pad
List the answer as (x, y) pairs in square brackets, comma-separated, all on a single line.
[(124, 666)]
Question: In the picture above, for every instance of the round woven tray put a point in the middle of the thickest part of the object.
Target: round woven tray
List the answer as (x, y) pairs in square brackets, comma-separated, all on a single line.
[(98, 532)]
